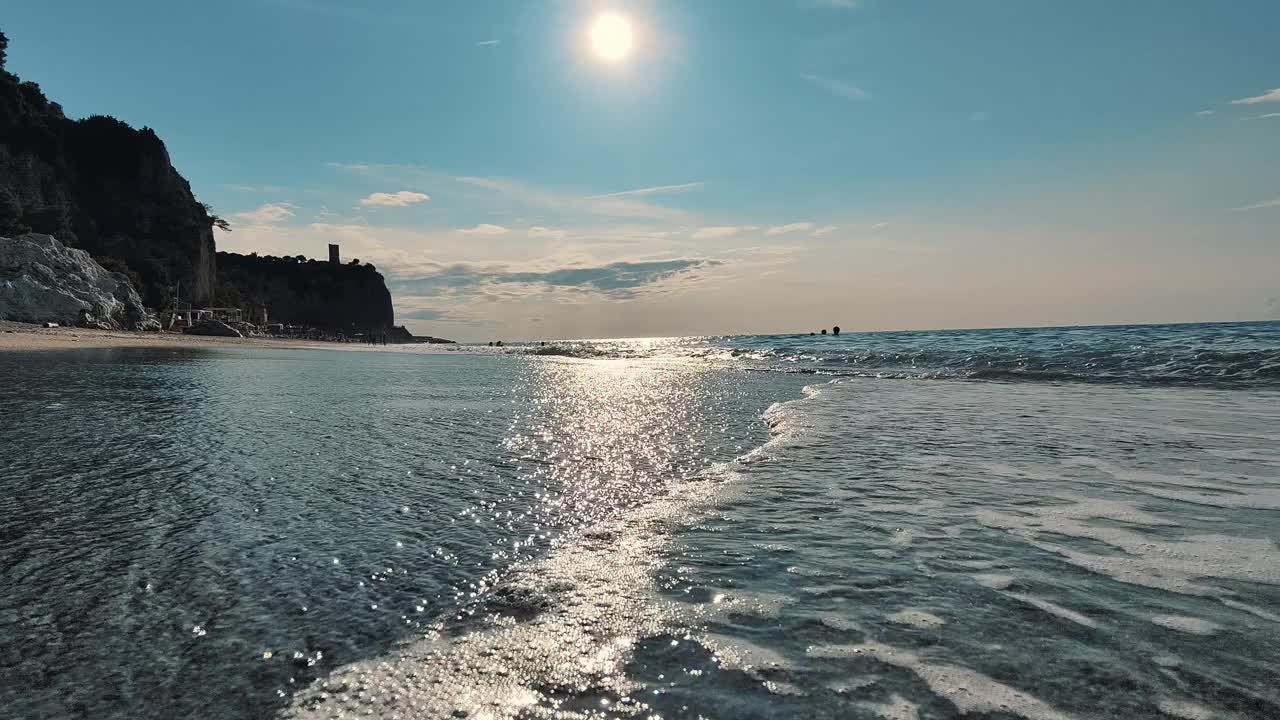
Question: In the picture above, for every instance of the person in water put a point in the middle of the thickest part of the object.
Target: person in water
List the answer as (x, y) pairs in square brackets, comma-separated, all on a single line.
[(835, 330), (824, 331)]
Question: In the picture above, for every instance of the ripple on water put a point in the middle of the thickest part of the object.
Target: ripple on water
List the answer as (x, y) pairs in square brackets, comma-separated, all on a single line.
[(1189, 625)]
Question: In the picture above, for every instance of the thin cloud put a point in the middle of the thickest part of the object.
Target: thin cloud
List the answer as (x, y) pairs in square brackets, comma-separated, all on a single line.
[(486, 230), (395, 199), (838, 87), (880, 226), (789, 228), (523, 193), (485, 43), (715, 232), (537, 231), (435, 314), (606, 206), (268, 214), (620, 279), (1260, 206), (1264, 116), (1206, 113), (354, 167), (655, 190), (824, 230), (253, 188), (1266, 97)]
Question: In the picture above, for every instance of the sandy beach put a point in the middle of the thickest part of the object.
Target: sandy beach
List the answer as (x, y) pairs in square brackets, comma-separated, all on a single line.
[(27, 337)]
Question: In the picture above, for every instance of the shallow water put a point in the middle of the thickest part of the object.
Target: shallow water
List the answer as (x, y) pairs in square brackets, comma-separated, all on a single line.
[(1039, 550), (655, 532), (206, 532)]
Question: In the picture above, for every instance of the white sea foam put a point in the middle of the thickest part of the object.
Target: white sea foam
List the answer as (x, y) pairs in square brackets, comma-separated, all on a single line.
[(1189, 625), (1245, 607), (969, 690), (602, 601), (901, 537), (739, 654), (1187, 710), (593, 598), (898, 708), (916, 617), (732, 602), (1056, 610), (995, 581), (1173, 565)]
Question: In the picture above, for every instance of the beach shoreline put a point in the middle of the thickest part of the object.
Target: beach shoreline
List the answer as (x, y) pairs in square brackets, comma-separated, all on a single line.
[(26, 337)]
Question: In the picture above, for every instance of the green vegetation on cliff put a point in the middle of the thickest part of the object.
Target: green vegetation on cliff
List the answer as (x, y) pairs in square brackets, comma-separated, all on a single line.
[(299, 291)]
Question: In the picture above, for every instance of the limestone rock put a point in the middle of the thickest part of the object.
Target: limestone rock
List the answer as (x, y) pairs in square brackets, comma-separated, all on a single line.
[(42, 280)]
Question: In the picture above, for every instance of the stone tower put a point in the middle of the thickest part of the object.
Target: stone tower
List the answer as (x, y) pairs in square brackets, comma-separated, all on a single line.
[(333, 255)]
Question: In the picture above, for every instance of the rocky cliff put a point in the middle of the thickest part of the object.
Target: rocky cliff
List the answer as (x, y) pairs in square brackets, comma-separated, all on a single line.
[(100, 185), (42, 280), (298, 291)]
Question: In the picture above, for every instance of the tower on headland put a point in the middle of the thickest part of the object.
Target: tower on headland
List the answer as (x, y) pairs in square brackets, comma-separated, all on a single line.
[(333, 255)]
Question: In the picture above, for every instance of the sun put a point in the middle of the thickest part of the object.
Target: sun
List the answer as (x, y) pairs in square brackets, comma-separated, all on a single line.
[(611, 36)]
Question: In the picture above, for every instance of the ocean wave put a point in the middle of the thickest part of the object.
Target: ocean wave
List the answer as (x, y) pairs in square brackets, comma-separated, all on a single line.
[(1220, 354)]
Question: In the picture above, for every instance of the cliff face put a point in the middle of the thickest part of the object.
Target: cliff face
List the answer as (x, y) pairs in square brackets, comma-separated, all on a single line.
[(306, 292), (100, 185)]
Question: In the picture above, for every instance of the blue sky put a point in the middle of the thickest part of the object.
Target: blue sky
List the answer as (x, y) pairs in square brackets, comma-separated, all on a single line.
[(752, 165)]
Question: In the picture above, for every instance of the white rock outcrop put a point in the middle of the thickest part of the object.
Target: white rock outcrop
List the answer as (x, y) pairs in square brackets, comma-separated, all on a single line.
[(42, 280)]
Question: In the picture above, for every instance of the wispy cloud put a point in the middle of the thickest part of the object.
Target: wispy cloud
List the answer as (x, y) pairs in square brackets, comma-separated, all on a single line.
[(715, 232), (1260, 206), (618, 280), (513, 191), (824, 230), (538, 231), (838, 87), (553, 199), (395, 199), (655, 190), (266, 214), (880, 226), (1266, 97), (1206, 113), (1265, 116), (253, 188), (486, 229), (484, 43), (789, 228), (354, 167)]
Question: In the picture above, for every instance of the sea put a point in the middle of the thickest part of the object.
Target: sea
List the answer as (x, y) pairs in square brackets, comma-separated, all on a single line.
[(1029, 523)]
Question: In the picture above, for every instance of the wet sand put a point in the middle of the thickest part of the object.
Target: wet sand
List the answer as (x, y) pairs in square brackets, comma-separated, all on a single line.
[(27, 337)]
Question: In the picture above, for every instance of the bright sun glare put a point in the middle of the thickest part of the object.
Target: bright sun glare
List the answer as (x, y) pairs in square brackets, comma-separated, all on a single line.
[(611, 37)]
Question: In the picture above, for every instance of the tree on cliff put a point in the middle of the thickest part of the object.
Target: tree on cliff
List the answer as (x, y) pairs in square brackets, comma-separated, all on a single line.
[(218, 222), (4, 47), (299, 291)]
